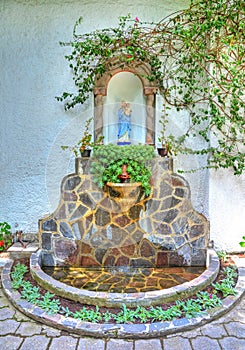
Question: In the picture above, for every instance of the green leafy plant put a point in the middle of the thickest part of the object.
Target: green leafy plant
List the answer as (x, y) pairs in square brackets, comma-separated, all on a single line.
[(222, 255), (230, 272), (65, 311), (82, 314), (192, 307), (207, 300), (242, 243), (108, 160), (17, 275), (19, 270), (125, 315), (227, 285), (85, 142), (158, 314), (90, 315), (226, 288), (5, 236), (30, 293), (107, 316), (142, 314), (49, 304), (195, 58), (94, 315), (168, 142)]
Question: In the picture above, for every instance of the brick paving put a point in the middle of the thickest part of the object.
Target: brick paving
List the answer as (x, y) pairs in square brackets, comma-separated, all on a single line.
[(18, 332)]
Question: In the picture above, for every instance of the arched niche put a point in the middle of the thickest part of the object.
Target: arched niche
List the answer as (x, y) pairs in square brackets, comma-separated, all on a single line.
[(124, 86), (143, 115)]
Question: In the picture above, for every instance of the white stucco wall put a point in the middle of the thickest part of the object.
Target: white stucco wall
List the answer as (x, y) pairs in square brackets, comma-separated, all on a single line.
[(33, 124), (227, 209)]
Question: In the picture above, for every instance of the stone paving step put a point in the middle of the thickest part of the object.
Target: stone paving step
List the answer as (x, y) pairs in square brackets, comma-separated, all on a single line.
[(17, 250)]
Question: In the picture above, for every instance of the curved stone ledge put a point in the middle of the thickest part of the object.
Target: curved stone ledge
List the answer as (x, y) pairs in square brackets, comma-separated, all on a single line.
[(117, 330), (129, 299), (126, 331)]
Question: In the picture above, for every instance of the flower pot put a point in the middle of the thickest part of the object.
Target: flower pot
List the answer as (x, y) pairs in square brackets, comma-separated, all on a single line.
[(86, 153), (124, 177), (163, 152), (124, 194), (124, 180)]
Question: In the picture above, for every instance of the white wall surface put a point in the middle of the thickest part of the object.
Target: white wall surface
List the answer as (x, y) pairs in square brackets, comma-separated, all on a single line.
[(227, 210), (33, 125)]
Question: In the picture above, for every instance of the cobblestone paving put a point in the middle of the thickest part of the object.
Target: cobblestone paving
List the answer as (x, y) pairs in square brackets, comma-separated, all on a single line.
[(18, 332)]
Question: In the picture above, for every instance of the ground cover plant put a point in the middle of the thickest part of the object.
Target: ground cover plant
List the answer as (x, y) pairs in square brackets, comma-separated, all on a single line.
[(194, 306)]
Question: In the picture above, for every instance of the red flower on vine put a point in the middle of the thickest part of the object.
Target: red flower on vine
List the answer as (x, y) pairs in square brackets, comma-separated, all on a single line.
[(2, 243)]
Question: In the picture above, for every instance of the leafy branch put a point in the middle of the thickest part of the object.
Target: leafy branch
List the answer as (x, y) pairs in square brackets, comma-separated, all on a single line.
[(196, 58)]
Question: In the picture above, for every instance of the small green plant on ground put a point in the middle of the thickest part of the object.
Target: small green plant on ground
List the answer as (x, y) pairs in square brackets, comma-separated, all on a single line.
[(107, 316), (30, 293), (208, 301), (65, 311), (226, 287), (49, 304), (192, 307), (87, 314), (142, 314), (125, 315), (222, 254), (17, 275), (5, 236), (157, 314), (242, 243)]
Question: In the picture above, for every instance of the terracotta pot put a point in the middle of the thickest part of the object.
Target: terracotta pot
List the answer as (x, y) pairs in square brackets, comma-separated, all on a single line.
[(163, 152), (124, 180)]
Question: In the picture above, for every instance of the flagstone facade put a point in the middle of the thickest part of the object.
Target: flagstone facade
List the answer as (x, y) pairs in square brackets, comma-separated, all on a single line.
[(89, 228)]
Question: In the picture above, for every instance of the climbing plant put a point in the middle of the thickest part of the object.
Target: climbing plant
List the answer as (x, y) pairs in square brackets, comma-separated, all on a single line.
[(197, 61)]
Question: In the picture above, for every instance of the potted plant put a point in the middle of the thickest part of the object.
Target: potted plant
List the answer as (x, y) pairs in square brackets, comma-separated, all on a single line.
[(85, 144), (109, 161), (166, 144), (166, 148), (170, 145)]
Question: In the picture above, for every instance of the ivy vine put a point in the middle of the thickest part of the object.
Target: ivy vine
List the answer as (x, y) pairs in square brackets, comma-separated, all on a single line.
[(197, 61)]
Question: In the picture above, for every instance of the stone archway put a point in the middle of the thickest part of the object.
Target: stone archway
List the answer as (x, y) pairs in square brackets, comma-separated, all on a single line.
[(141, 70)]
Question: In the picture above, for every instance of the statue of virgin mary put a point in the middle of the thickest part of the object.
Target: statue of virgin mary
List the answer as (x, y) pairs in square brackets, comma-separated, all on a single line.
[(124, 124)]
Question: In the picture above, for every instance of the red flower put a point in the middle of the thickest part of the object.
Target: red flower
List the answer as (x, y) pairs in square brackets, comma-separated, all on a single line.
[(2, 243), (137, 19)]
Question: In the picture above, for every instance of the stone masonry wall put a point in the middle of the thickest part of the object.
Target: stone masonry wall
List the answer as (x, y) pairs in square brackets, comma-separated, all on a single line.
[(89, 229)]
